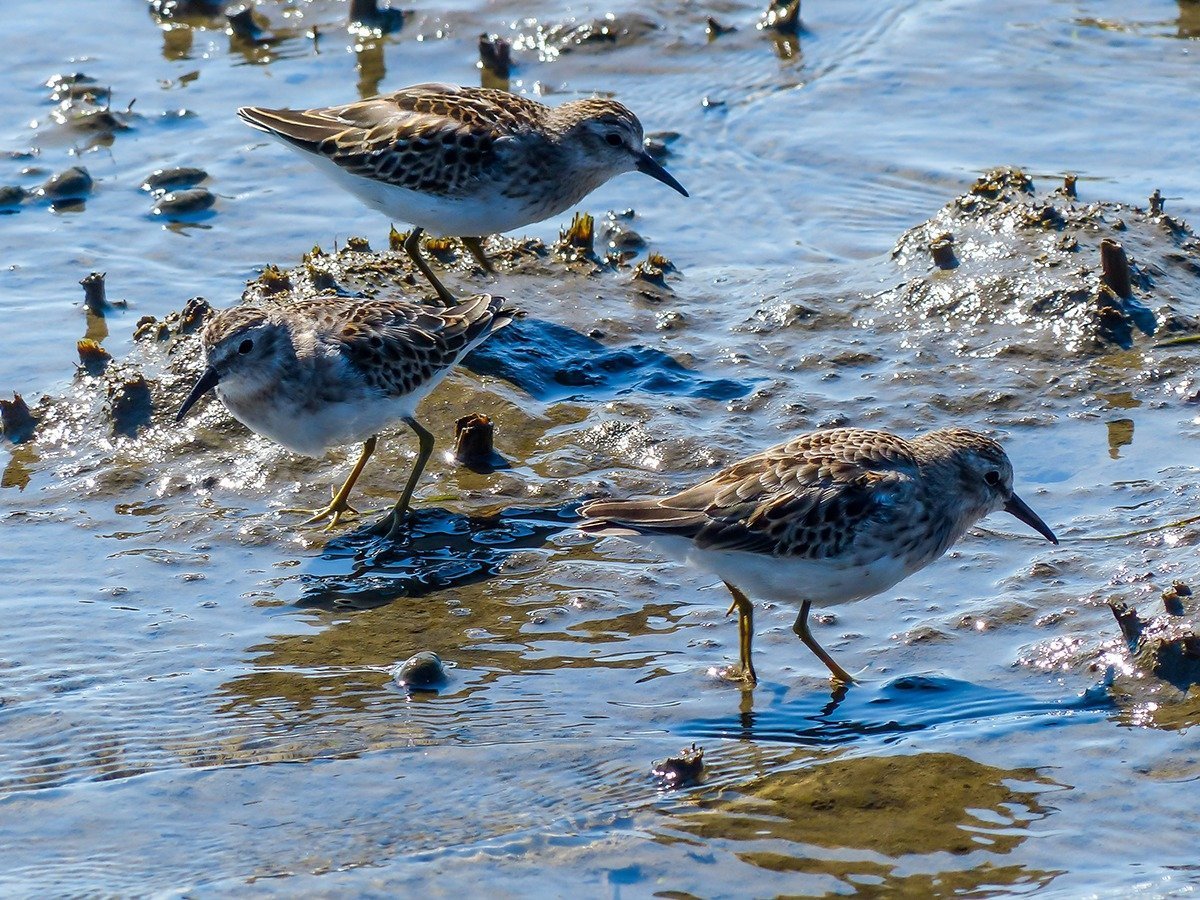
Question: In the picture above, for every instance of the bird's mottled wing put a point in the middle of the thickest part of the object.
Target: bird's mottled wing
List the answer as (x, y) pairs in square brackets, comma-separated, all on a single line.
[(809, 497), (398, 346), (434, 138)]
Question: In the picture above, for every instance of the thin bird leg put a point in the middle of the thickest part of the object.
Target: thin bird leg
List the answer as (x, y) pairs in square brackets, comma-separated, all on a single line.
[(412, 246), (745, 632), (801, 629), (340, 505), (390, 524), (475, 245)]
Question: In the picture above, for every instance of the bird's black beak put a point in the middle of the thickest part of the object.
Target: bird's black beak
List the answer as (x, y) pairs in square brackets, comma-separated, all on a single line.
[(648, 166), (1019, 508), (207, 381)]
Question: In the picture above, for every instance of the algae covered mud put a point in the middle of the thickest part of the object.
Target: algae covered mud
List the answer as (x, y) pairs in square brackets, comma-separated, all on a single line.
[(199, 696)]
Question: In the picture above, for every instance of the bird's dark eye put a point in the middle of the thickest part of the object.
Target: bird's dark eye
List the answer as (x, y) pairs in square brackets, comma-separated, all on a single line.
[(614, 140), (992, 478), (246, 346)]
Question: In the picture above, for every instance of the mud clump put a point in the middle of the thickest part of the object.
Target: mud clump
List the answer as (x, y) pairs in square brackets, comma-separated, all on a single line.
[(474, 444), (17, 420), (187, 202), (1029, 261), (495, 61), (1166, 645), (70, 184), (366, 18), (171, 179), (130, 406), (93, 358), (684, 770)]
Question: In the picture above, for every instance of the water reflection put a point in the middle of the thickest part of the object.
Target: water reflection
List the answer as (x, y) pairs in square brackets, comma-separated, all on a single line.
[(907, 704), (907, 812)]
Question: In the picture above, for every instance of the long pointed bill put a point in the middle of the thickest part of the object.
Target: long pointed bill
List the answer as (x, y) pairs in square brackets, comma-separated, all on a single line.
[(648, 166), (1019, 508), (207, 381)]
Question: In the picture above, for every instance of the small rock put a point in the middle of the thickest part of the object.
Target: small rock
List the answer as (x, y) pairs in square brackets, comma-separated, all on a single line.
[(185, 202), (71, 184), (177, 177), (423, 671), (12, 195), (683, 770)]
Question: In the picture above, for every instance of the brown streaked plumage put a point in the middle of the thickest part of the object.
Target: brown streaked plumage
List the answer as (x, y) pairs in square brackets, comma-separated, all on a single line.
[(827, 517), (331, 370), (465, 161)]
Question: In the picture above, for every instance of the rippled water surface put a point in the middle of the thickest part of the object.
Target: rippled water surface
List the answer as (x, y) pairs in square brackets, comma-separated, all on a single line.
[(197, 695)]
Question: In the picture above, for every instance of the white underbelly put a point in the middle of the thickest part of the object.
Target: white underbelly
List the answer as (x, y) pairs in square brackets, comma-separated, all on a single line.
[(454, 216), (786, 579), (312, 431)]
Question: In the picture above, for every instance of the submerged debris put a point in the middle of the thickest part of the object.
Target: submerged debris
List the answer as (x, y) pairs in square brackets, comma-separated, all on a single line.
[(95, 295), (70, 184), (683, 770), (474, 447), (176, 177), (578, 240), (17, 420), (942, 250), (367, 18), (495, 60), (783, 17), (76, 86), (1166, 645), (182, 203), (93, 358), (423, 671), (243, 27)]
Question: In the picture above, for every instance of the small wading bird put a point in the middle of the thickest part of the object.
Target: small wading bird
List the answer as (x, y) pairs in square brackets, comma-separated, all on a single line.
[(827, 517), (335, 370), (465, 162)]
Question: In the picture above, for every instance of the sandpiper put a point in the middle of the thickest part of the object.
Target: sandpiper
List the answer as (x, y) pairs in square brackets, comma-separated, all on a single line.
[(465, 162), (331, 370), (826, 517)]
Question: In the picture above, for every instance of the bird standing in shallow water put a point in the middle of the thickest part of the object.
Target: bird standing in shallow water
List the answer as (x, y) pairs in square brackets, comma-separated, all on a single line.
[(332, 370), (463, 161), (827, 517)]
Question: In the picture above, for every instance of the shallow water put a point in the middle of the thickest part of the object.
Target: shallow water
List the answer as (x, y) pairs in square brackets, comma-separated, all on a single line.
[(197, 695)]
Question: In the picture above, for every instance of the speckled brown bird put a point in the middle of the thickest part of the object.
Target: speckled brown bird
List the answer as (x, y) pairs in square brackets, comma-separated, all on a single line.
[(827, 517), (465, 161), (331, 370)]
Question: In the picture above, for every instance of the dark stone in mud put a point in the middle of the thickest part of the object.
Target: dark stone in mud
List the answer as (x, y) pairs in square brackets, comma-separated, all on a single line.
[(70, 184), (12, 195), (18, 421), (170, 179), (423, 671), (1166, 645), (130, 406), (683, 770), (184, 203)]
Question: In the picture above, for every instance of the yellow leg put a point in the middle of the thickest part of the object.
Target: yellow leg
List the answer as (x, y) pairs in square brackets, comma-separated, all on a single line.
[(389, 526), (475, 245), (801, 629), (340, 504), (745, 611), (412, 246)]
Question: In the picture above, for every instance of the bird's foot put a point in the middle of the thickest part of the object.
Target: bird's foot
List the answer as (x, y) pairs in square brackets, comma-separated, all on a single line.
[(743, 677), (334, 512), (392, 525)]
